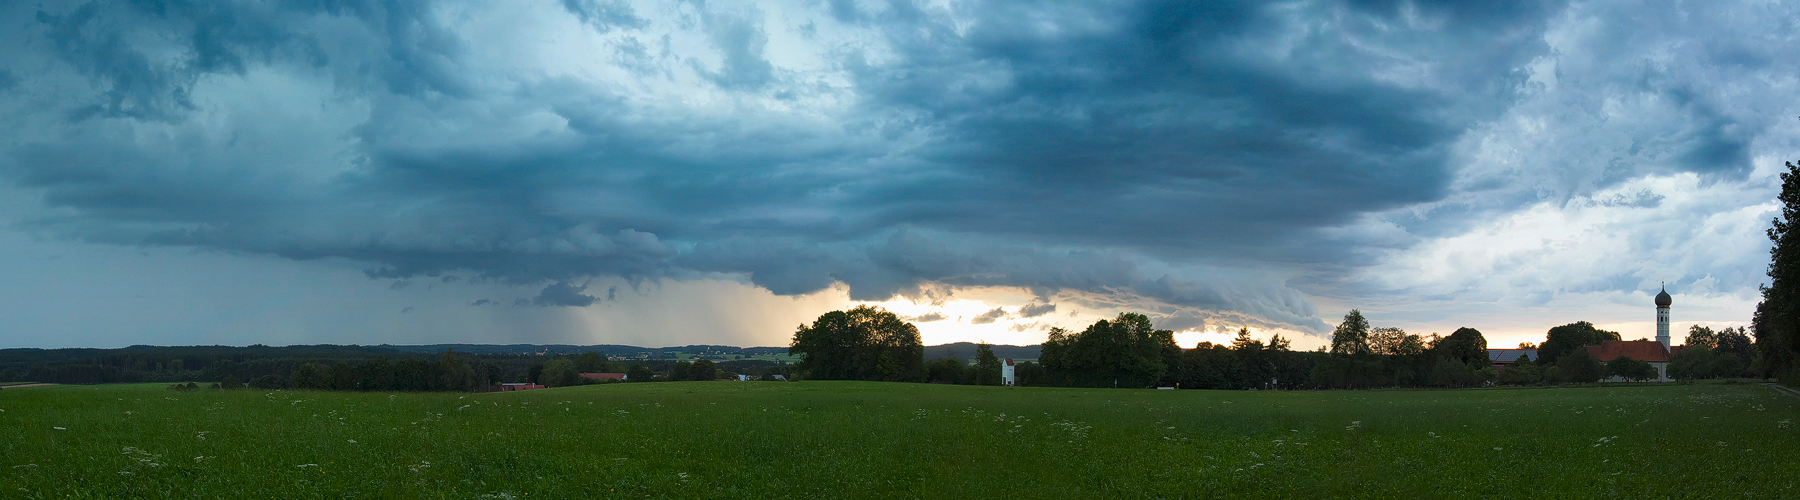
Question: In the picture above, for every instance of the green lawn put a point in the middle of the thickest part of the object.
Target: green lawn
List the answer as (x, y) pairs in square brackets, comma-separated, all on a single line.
[(852, 439)]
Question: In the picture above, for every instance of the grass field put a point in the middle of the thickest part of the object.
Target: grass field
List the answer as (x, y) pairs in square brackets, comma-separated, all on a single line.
[(844, 439)]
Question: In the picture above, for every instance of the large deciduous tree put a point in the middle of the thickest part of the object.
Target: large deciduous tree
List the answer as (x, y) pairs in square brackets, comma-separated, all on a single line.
[(1630, 369), (1578, 367), (1777, 322), (1465, 345), (865, 343), (1563, 340), (1390, 341), (1701, 336), (1351, 338)]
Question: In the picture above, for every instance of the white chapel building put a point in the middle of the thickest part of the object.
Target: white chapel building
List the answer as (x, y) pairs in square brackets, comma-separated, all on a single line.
[(1657, 352)]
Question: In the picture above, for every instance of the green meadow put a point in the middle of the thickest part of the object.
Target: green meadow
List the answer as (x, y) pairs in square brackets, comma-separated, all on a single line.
[(892, 440)]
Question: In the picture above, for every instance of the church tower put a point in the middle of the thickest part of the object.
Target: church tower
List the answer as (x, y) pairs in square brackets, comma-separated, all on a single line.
[(1662, 317)]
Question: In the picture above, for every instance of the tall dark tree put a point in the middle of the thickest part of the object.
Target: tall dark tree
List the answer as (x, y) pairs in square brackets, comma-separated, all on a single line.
[(1777, 320), (311, 376), (1701, 336), (453, 373), (639, 373), (865, 343), (559, 373), (1563, 340), (1737, 343), (987, 365), (1351, 338), (1578, 367), (1256, 364), (1695, 361), (703, 370), (1124, 352), (590, 362), (945, 371)]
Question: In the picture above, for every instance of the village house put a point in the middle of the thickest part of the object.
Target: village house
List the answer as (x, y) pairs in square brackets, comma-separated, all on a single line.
[(1503, 358), (520, 386)]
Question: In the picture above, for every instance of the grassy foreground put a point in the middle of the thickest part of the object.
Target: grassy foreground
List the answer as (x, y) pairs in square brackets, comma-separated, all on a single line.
[(845, 439)]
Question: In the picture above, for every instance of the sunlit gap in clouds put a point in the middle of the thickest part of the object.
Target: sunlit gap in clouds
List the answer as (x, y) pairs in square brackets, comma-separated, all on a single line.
[(972, 317)]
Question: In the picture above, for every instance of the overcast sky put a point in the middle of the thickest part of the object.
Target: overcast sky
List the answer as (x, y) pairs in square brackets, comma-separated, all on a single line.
[(670, 173)]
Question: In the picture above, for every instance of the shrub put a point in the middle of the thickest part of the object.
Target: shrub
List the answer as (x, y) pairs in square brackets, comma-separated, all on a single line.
[(269, 382)]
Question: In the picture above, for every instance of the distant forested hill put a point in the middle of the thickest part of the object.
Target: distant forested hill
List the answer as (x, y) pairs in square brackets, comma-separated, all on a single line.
[(966, 351), (142, 363)]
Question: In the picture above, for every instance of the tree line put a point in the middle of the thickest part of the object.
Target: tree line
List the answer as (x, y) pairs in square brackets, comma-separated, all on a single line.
[(1776, 324), (351, 368), (1127, 351)]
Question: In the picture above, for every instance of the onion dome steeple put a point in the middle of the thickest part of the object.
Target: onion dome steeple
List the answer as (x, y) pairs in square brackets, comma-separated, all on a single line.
[(1662, 298)]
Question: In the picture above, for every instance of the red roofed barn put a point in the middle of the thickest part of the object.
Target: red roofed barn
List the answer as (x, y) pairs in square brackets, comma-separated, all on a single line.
[(604, 376)]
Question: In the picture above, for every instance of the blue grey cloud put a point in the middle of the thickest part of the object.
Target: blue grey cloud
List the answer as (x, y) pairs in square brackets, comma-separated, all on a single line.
[(561, 294), (1129, 149)]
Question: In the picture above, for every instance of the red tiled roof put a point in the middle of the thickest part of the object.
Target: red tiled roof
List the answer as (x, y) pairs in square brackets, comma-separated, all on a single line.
[(1641, 350)]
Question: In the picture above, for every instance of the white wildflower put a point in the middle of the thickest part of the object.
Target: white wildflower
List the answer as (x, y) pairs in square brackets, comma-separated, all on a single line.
[(59, 428)]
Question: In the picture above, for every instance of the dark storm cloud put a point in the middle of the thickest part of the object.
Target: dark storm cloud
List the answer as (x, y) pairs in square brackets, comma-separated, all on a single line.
[(1036, 309), (996, 314), (562, 294), (926, 318), (1084, 143), (1175, 122)]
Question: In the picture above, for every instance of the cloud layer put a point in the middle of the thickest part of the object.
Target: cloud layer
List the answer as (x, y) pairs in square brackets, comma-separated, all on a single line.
[(1223, 163)]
